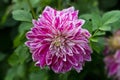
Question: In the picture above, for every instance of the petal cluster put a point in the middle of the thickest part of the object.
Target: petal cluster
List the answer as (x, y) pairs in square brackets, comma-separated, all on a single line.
[(112, 63), (57, 40)]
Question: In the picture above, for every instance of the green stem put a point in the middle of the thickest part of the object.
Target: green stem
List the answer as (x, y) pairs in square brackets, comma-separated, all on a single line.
[(95, 32), (30, 5)]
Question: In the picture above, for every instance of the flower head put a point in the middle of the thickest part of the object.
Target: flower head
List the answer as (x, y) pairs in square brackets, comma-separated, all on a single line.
[(113, 43), (112, 56), (112, 63), (58, 41)]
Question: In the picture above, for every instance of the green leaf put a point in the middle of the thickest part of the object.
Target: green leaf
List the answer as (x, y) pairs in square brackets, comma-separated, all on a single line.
[(18, 39), (105, 28), (86, 16), (111, 17), (99, 33), (88, 22), (22, 53), (11, 74), (96, 21), (19, 56), (15, 72), (22, 15), (99, 45), (24, 27), (21, 5), (13, 60), (35, 3), (116, 26), (21, 71), (96, 47), (94, 39), (88, 26), (38, 75)]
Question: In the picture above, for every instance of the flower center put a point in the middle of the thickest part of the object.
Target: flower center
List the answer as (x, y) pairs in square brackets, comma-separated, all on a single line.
[(115, 42), (58, 41), (61, 46)]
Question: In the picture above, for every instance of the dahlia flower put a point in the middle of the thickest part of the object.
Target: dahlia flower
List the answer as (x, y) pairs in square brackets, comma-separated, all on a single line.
[(58, 41), (112, 63)]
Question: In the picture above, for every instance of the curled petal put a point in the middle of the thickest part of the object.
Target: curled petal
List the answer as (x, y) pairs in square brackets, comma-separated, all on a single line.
[(78, 67), (68, 10)]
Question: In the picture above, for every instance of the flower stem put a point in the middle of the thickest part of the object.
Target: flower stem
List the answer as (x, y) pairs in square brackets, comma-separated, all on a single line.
[(30, 5), (95, 32)]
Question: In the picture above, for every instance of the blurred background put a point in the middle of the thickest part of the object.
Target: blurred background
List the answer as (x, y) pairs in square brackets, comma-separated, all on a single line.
[(15, 59)]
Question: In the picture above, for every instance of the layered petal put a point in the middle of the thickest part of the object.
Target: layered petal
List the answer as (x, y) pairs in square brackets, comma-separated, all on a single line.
[(57, 40)]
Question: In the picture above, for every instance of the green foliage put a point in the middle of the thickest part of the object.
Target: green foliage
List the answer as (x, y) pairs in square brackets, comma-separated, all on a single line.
[(111, 17), (19, 56), (97, 25), (16, 72), (105, 28), (38, 75), (22, 15), (24, 26), (97, 44)]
